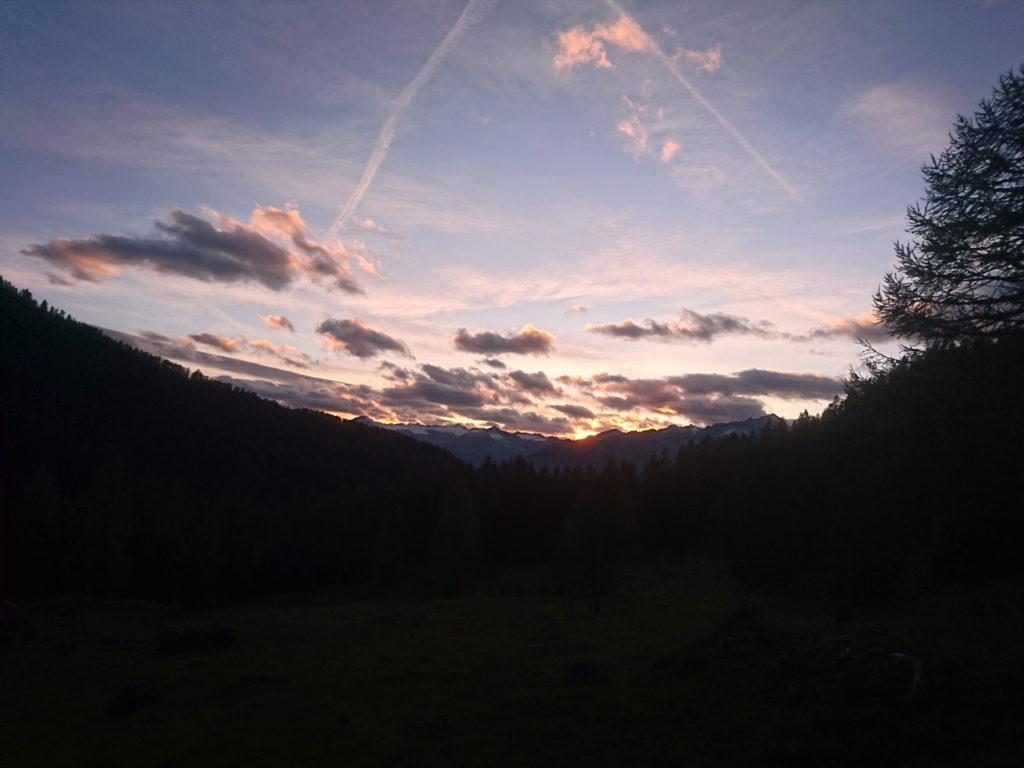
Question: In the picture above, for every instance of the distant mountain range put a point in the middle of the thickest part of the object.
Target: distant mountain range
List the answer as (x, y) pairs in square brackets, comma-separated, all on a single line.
[(474, 445)]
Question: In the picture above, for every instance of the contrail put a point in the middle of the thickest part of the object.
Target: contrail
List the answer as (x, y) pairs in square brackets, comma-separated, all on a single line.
[(471, 14), (731, 129)]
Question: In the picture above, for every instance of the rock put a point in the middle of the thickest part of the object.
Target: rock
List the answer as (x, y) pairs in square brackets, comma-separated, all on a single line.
[(133, 697)]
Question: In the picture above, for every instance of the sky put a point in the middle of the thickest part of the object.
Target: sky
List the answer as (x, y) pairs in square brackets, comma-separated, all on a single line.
[(553, 216)]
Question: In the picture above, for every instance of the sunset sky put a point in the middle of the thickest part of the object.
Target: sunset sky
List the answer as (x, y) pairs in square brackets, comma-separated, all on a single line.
[(550, 216)]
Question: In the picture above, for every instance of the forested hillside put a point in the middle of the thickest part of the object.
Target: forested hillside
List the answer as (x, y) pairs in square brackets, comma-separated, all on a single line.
[(124, 474)]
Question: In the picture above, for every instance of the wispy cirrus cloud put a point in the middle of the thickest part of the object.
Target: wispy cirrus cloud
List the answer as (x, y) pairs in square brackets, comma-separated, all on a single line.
[(185, 350), (371, 227), (902, 116), (634, 128), (709, 60), (638, 40), (232, 345)]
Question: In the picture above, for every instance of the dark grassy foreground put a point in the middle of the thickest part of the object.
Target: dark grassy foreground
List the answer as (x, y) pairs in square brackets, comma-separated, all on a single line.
[(684, 668)]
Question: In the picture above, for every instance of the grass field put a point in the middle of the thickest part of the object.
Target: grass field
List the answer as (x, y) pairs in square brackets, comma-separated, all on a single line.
[(683, 668)]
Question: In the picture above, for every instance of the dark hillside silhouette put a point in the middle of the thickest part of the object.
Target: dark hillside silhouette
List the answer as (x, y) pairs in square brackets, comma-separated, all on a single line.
[(124, 474)]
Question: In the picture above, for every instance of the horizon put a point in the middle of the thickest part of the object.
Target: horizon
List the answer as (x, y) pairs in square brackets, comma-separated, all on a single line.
[(573, 439), (558, 219)]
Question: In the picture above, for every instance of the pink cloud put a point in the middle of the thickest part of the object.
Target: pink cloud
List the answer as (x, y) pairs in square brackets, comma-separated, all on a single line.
[(709, 60), (669, 150), (581, 46)]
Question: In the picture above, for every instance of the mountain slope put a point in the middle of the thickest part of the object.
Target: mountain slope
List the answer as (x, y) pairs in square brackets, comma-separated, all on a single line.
[(123, 473)]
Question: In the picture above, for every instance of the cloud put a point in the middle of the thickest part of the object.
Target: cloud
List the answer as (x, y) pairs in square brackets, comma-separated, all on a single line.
[(189, 246), (355, 338), (470, 15), (633, 128), (536, 383), (54, 279), (692, 326), (221, 343), (431, 393), (371, 227), (867, 326), (316, 394), (321, 261), (698, 180), (760, 383), (574, 411), (697, 327), (579, 45), (709, 60), (575, 309), (284, 353), (278, 322), (453, 388), (904, 117), (521, 421), (184, 350), (186, 245), (706, 398), (527, 341), (493, 362), (672, 65), (669, 150)]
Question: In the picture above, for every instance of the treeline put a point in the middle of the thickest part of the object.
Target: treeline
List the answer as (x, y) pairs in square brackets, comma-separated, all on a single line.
[(908, 483), (123, 474)]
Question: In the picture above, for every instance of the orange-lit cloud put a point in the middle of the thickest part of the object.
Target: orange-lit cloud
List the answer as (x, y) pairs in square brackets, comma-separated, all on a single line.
[(278, 322), (669, 150), (867, 326), (579, 45), (228, 252)]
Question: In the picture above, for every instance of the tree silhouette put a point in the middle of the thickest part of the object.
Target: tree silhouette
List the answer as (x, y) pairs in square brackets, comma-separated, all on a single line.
[(962, 275)]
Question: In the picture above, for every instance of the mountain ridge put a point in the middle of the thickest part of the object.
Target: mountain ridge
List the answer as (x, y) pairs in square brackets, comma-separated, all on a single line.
[(475, 445)]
